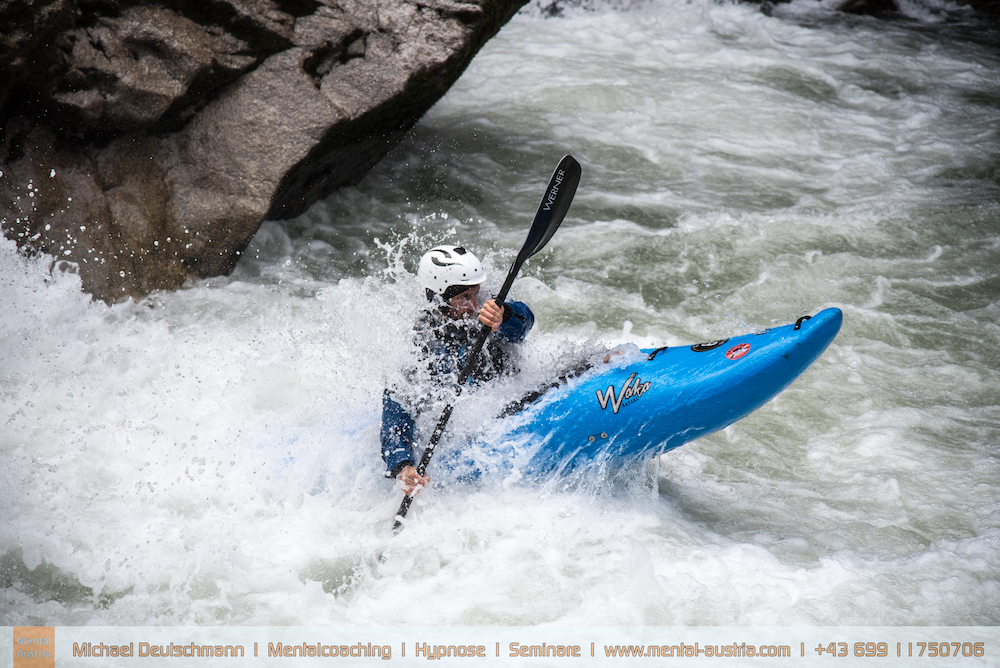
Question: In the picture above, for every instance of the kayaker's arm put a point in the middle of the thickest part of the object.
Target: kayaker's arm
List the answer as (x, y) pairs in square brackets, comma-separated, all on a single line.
[(397, 446), (396, 436)]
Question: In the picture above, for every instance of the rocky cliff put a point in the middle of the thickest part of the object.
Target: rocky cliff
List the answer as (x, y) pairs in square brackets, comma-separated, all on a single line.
[(147, 141)]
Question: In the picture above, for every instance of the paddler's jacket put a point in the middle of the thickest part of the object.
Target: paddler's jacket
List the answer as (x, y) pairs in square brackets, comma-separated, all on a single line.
[(444, 344)]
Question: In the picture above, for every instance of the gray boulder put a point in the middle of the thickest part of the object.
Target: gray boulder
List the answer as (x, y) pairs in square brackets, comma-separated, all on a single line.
[(146, 142)]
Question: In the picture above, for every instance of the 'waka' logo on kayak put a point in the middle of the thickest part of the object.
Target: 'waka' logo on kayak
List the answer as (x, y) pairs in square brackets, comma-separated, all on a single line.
[(631, 390)]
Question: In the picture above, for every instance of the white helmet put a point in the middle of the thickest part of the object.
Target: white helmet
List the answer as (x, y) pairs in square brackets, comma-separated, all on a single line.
[(443, 267)]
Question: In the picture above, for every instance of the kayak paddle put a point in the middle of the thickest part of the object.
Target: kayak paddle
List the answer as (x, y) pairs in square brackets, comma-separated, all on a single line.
[(555, 203)]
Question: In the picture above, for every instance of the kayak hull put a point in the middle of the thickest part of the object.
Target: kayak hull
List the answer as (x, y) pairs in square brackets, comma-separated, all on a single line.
[(655, 402)]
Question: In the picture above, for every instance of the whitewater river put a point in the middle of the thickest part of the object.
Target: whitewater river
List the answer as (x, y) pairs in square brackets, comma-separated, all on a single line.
[(210, 456)]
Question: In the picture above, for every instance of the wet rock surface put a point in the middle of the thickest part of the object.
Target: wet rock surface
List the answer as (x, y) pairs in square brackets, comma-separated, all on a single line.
[(146, 142)]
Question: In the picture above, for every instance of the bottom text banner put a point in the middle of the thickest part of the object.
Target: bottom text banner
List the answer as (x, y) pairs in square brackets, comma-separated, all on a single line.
[(233, 647)]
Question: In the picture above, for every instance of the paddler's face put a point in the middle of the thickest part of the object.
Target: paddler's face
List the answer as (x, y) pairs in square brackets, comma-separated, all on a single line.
[(463, 305)]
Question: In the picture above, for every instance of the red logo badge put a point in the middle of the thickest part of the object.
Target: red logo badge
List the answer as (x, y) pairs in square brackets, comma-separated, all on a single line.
[(739, 351)]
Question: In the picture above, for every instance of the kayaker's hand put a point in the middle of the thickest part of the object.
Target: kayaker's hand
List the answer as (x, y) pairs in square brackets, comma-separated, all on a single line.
[(624, 350), (614, 351), (491, 315), (411, 481)]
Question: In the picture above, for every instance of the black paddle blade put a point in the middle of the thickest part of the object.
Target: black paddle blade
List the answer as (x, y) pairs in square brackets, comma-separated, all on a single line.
[(555, 203)]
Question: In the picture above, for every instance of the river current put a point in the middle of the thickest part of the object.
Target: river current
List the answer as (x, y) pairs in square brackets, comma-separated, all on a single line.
[(210, 456)]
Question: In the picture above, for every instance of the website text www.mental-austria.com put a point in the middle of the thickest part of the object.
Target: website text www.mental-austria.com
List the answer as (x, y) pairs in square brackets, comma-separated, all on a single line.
[(734, 650)]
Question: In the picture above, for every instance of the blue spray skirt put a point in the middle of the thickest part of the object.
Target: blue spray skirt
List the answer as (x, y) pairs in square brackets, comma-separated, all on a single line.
[(655, 402)]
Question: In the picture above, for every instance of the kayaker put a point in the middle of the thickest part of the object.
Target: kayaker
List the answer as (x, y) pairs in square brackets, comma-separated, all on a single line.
[(451, 277)]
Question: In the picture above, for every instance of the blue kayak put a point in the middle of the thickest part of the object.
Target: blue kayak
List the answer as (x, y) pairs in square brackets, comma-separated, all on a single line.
[(650, 403)]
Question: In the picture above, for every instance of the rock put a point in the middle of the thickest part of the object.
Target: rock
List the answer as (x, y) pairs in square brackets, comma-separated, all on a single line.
[(128, 71), (146, 142), (878, 8)]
